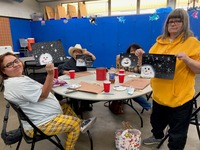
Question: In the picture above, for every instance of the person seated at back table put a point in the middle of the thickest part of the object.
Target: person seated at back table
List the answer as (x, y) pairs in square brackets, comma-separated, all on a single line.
[(38, 103), (70, 64), (131, 50)]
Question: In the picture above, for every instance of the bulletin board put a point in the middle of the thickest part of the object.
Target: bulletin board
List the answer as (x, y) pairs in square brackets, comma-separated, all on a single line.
[(5, 33)]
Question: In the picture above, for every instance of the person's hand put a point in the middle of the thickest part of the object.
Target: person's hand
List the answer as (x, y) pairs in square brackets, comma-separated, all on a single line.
[(66, 72), (87, 53), (50, 69), (182, 56), (139, 52), (117, 59)]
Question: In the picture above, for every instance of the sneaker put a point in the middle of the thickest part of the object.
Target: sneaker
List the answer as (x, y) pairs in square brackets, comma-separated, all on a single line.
[(151, 140), (87, 124)]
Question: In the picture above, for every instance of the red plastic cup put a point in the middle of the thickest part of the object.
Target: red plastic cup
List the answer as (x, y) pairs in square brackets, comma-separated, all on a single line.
[(71, 74), (121, 71), (56, 72), (106, 85), (121, 77)]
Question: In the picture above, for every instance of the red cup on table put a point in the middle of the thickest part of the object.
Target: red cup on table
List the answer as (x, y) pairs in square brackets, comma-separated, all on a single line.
[(121, 71), (71, 74), (56, 72), (121, 77), (106, 85)]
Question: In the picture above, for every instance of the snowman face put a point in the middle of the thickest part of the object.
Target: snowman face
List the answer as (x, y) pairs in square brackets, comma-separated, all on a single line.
[(45, 59), (126, 62), (80, 62), (147, 71)]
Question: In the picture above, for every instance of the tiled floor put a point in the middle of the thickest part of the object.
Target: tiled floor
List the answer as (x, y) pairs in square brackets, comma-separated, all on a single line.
[(104, 129)]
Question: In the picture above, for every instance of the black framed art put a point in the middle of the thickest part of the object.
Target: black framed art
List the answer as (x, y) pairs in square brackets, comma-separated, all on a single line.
[(84, 61), (158, 66), (128, 62), (48, 52)]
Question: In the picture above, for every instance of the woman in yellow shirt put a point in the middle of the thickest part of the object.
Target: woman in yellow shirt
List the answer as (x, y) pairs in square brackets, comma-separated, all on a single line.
[(172, 99)]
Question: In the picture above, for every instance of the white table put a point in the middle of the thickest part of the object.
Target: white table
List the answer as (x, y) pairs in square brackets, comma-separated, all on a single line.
[(111, 96)]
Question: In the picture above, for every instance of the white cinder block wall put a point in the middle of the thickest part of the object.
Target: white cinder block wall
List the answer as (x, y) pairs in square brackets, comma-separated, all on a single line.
[(11, 8)]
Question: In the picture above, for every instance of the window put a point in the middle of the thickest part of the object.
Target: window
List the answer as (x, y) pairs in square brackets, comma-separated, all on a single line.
[(127, 7)]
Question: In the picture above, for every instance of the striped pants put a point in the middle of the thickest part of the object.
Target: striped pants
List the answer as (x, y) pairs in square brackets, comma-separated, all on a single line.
[(67, 122)]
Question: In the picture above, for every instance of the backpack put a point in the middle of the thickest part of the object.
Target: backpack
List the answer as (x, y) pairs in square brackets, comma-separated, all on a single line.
[(116, 107), (13, 136)]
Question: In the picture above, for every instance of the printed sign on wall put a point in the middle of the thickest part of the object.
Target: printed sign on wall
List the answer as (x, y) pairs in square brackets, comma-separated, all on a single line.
[(48, 52), (158, 66)]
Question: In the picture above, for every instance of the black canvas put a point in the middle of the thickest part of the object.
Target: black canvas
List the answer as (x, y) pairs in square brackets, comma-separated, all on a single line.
[(128, 62), (158, 66), (84, 61), (48, 52)]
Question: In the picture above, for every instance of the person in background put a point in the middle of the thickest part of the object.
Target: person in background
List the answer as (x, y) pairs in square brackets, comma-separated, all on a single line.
[(70, 64), (172, 99), (131, 50), (38, 103)]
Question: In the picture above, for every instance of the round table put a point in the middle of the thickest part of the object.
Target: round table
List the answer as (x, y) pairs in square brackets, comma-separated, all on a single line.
[(111, 96)]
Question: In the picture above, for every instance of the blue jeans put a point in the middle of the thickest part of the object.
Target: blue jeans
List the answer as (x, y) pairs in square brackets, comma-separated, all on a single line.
[(143, 102)]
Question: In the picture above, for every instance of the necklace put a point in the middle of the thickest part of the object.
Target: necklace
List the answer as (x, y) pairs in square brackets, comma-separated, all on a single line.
[(170, 40)]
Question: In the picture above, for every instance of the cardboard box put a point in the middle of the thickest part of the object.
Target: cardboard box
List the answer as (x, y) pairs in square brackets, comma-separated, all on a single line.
[(60, 12), (82, 11), (71, 11), (50, 13)]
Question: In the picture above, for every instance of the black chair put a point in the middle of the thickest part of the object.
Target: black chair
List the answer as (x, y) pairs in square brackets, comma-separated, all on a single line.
[(195, 119), (35, 72), (38, 134)]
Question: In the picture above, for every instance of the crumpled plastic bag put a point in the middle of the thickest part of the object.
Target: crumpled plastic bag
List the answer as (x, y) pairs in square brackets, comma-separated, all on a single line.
[(57, 82), (127, 138)]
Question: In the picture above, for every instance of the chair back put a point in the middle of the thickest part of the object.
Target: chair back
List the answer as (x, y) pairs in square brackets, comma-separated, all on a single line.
[(38, 135), (23, 117)]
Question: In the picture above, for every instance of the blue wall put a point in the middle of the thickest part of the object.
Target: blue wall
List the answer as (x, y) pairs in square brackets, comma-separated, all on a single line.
[(106, 39), (20, 28)]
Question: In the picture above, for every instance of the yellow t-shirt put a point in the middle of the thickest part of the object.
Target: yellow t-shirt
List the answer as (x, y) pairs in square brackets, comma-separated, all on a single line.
[(176, 92)]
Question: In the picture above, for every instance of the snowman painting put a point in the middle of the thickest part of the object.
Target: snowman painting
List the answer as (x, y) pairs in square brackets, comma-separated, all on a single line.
[(45, 58), (147, 71), (126, 62)]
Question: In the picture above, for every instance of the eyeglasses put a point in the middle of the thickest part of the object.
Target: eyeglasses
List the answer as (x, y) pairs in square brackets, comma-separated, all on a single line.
[(11, 64), (170, 22)]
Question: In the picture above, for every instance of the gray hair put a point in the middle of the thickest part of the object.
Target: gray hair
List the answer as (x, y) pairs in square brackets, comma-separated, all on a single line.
[(183, 15)]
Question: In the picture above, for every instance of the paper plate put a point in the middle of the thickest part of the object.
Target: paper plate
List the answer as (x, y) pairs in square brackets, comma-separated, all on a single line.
[(119, 88), (74, 86)]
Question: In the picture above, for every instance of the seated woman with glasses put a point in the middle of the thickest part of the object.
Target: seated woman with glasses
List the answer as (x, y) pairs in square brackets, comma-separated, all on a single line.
[(38, 103)]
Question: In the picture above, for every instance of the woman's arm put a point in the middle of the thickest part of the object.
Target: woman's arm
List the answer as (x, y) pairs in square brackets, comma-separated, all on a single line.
[(191, 63), (46, 89), (90, 54), (139, 53)]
